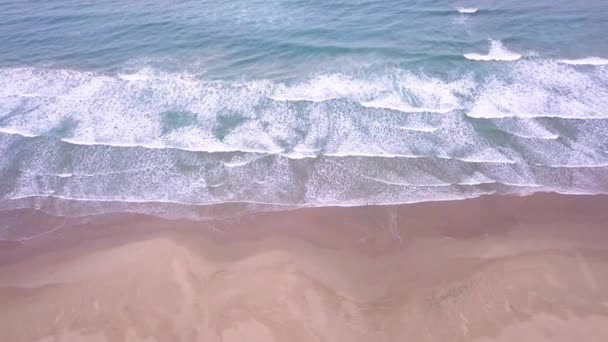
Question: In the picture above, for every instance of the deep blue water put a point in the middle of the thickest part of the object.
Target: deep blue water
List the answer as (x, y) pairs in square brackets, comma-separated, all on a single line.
[(299, 102), (283, 39)]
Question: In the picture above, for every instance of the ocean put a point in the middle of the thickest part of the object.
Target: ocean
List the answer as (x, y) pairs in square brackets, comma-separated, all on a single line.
[(166, 107)]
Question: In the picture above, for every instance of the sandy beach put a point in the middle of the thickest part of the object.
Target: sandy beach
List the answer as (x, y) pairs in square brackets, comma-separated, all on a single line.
[(495, 268)]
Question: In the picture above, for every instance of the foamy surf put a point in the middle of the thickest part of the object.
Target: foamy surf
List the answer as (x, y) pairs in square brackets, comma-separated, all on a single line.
[(364, 137), (497, 52), (394, 90), (595, 61)]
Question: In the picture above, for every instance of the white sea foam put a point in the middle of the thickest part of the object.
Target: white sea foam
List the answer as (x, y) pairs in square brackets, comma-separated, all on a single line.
[(101, 110), (66, 206), (347, 152), (333, 182), (397, 90), (575, 166), (326, 87), (467, 10), (134, 77), (419, 129), (201, 148), (396, 104), (302, 154), (526, 128), (7, 130), (49, 201), (543, 89), (484, 157), (331, 127), (548, 136), (242, 160), (405, 183), (585, 61), (497, 53)]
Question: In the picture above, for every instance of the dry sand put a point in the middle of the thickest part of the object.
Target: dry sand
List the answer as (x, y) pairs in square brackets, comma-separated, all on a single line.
[(496, 268)]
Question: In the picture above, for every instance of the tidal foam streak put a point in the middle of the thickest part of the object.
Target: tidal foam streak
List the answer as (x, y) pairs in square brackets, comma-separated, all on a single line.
[(467, 10), (586, 61)]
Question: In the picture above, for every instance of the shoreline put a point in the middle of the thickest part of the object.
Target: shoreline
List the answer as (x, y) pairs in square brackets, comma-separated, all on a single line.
[(236, 208), (492, 268)]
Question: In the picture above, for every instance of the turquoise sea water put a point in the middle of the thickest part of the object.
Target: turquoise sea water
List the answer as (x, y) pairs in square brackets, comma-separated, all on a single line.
[(112, 105)]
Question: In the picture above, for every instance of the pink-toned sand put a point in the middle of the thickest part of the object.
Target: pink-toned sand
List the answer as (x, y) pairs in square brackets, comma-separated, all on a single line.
[(496, 268)]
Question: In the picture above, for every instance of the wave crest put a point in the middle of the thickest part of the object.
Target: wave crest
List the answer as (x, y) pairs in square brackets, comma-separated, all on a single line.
[(497, 52), (596, 61), (467, 10)]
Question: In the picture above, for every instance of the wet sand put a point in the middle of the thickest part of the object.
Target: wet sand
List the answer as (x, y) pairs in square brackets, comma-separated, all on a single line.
[(496, 268)]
